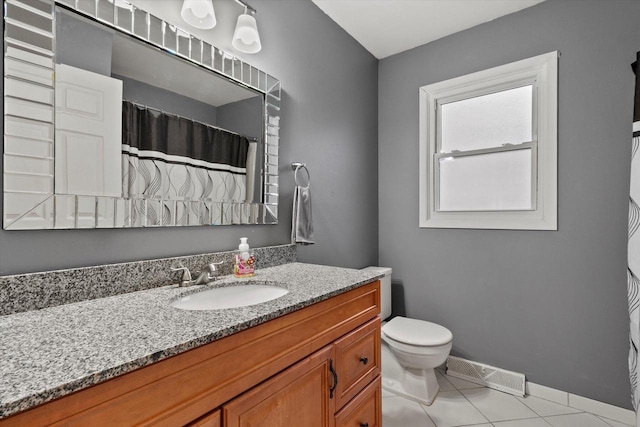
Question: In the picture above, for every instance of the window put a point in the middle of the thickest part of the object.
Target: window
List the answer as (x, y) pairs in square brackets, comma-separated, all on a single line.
[(488, 148)]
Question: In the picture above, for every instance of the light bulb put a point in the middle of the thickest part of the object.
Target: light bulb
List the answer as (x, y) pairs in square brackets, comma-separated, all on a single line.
[(245, 37), (198, 13), (199, 9)]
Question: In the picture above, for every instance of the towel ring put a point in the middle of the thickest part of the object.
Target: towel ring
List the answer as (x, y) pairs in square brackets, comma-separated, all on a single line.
[(296, 166)]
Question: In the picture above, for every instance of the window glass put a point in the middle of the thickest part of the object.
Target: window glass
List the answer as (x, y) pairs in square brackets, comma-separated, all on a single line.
[(487, 121), (486, 182)]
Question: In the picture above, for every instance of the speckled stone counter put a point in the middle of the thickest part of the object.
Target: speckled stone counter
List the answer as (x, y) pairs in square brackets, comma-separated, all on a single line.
[(33, 291), (49, 353)]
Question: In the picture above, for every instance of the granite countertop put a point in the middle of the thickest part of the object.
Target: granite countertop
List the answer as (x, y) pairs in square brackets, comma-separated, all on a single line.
[(49, 353)]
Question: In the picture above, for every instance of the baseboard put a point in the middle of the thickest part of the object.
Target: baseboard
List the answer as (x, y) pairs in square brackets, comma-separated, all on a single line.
[(625, 416), (547, 393)]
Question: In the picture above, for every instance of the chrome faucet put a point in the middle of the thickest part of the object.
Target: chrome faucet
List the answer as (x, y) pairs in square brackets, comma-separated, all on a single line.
[(207, 275)]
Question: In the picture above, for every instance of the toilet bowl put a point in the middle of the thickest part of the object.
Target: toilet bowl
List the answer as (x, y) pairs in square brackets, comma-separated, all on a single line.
[(414, 348), (411, 350)]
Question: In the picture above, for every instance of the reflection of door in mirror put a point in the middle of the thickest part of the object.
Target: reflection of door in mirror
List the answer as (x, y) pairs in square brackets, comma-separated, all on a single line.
[(88, 129), (88, 133)]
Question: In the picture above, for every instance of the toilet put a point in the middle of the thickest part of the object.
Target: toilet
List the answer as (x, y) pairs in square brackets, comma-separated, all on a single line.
[(411, 350)]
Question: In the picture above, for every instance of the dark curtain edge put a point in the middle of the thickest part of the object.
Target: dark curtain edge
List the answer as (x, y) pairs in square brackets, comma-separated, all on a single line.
[(636, 103), (149, 130)]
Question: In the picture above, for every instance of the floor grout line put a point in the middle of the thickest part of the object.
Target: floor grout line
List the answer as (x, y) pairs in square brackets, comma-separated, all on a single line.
[(465, 397), (427, 414), (474, 406), (609, 421), (533, 410), (493, 423), (605, 421)]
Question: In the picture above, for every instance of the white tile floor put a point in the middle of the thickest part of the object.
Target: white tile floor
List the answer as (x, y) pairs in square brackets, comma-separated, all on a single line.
[(461, 403)]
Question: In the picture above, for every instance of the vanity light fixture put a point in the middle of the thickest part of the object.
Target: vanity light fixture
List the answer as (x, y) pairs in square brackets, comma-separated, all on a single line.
[(122, 4), (245, 37), (199, 13)]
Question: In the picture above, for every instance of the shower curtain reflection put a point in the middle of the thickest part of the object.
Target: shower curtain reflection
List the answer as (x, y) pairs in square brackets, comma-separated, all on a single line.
[(170, 161), (633, 271)]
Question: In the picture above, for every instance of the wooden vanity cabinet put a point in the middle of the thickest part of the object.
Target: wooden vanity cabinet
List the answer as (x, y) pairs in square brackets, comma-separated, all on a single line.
[(311, 392), (365, 410), (299, 396), (357, 356), (212, 419), (278, 373)]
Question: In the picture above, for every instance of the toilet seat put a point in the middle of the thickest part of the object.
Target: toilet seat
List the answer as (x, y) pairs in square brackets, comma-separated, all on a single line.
[(414, 332)]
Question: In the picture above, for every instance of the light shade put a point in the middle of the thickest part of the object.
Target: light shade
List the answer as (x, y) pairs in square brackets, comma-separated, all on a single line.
[(198, 13), (246, 38), (122, 4)]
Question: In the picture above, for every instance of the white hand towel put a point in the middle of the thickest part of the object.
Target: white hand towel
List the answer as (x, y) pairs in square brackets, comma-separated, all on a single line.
[(302, 223)]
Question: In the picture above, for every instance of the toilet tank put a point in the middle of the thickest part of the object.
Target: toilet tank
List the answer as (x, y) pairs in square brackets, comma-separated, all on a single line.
[(385, 290)]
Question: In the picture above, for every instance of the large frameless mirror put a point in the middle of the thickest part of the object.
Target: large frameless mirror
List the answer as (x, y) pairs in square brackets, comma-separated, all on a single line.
[(114, 118)]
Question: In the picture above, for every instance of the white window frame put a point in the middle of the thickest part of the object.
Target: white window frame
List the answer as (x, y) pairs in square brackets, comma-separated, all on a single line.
[(541, 72)]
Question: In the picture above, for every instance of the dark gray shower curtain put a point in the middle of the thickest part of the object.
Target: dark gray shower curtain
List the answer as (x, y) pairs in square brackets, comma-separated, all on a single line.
[(151, 131), (169, 158), (633, 259)]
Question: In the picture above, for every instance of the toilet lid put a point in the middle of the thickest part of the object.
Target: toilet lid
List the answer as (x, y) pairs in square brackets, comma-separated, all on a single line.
[(416, 332)]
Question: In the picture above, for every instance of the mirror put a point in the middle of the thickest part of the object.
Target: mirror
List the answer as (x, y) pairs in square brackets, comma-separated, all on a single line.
[(141, 125)]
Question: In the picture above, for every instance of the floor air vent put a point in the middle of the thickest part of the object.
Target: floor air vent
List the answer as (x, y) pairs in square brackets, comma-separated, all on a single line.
[(500, 379)]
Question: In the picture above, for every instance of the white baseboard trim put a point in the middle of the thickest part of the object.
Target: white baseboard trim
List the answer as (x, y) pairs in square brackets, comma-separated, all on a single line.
[(625, 416), (547, 393)]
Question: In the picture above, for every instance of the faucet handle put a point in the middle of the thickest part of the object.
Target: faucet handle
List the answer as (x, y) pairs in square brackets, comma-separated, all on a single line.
[(186, 275), (212, 266), (211, 270)]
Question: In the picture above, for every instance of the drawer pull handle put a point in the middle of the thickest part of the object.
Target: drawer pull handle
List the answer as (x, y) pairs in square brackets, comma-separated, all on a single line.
[(364, 361), (364, 424), (335, 379)]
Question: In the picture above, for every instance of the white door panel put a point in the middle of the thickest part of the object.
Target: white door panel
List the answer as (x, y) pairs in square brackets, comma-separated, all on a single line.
[(88, 133)]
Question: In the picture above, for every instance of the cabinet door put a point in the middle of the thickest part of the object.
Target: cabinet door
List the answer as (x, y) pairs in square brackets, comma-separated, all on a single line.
[(298, 396)]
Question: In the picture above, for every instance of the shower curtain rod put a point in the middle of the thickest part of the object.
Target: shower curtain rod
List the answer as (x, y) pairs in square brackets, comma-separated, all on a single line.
[(250, 138)]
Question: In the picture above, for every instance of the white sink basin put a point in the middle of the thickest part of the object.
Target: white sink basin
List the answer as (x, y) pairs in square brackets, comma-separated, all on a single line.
[(229, 297)]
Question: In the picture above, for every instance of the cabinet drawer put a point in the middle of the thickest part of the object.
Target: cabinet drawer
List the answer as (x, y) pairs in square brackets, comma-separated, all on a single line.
[(357, 360), (365, 410)]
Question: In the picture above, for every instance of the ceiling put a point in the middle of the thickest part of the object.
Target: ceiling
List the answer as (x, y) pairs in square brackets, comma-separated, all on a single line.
[(139, 61), (387, 27)]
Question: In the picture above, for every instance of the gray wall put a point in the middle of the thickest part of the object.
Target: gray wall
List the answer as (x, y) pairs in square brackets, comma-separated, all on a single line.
[(171, 102), (87, 45), (77, 35), (549, 304), (329, 112), (244, 117)]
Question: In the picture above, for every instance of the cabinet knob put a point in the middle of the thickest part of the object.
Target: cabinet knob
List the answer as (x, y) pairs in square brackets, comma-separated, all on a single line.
[(364, 424), (364, 361)]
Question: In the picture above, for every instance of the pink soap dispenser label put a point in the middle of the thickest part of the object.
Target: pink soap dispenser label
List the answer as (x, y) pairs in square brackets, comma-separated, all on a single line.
[(244, 267)]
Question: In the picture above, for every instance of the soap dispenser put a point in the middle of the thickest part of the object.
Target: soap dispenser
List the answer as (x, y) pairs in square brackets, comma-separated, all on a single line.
[(244, 265)]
